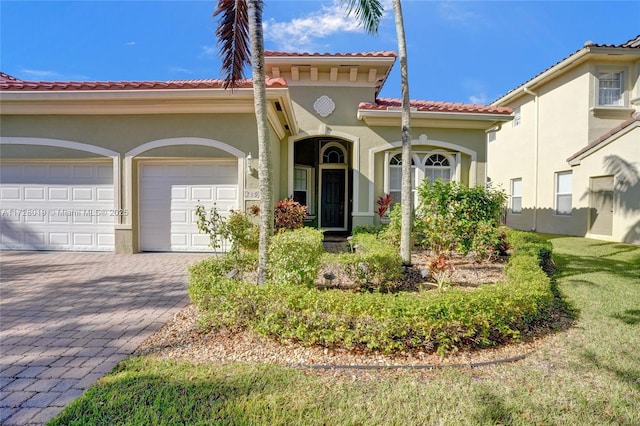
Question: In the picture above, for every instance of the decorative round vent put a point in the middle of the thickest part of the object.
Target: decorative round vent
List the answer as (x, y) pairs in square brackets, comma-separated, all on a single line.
[(324, 106)]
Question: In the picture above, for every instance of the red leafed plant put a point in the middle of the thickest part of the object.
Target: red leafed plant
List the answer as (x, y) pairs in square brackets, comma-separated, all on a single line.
[(441, 271), (384, 202), (288, 214)]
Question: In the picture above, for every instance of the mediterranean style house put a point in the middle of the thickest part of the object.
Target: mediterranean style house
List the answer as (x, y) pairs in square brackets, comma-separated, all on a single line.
[(570, 158), (120, 166)]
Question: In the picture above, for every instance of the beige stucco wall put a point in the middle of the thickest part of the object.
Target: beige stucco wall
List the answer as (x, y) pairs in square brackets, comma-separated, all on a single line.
[(344, 124), (555, 124), (626, 172), (123, 133)]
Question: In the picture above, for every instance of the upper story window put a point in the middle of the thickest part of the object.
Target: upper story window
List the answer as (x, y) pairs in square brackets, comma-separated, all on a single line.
[(610, 89)]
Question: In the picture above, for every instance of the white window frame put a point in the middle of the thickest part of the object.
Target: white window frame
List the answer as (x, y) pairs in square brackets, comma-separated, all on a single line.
[(620, 101), (418, 170), (563, 193), (414, 169), (449, 159), (623, 101), (516, 195), (311, 202)]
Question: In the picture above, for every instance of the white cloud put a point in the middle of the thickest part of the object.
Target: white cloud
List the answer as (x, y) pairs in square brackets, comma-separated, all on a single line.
[(456, 13), (480, 99), (41, 74), (130, 43), (305, 33), (209, 51), (180, 70), (50, 75)]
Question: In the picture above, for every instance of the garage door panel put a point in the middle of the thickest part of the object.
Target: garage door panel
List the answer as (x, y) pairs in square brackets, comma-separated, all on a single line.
[(59, 239), (169, 194), (59, 194), (105, 240), (10, 193), (82, 194), (104, 194), (179, 193), (202, 193), (56, 206), (83, 239), (34, 193)]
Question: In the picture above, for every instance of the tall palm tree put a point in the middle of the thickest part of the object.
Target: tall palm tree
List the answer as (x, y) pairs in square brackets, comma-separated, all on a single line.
[(406, 196), (242, 19), (369, 12)]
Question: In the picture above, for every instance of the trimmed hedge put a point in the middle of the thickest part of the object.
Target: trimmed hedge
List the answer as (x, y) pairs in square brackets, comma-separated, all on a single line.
[(427, 321)]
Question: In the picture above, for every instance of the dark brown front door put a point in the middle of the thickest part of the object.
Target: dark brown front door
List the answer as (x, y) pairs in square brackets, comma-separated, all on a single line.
[(332, 202)]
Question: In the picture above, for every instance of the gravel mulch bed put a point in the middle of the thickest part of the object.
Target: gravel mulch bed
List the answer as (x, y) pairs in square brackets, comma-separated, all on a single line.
[(184, 339)]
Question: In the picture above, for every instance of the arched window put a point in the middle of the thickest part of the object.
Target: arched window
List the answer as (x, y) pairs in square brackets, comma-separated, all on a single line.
[(395, 177), (437, 166), (333, 155)]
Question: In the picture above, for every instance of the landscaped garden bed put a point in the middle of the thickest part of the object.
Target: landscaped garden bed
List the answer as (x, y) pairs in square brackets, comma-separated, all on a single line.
[(375, 312)]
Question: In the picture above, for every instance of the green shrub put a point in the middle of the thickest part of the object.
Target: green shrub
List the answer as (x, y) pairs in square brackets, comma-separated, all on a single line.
[(427, 321), (392, 231), (294, 256), (374, 266), (368, 229), (452, 216)]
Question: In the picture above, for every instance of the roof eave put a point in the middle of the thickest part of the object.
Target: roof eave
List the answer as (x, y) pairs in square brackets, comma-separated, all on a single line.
[(572, 60), (434, 118), (577, 158), (531, 84)]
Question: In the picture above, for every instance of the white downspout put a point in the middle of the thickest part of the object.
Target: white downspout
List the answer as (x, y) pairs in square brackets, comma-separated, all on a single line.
[(536, 137)]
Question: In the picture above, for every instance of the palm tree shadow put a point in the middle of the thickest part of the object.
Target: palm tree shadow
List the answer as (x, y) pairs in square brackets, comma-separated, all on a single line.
[(624, 197)]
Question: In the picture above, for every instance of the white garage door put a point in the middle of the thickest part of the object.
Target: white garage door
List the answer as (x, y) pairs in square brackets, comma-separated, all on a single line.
[(57, 206), (169, 193)]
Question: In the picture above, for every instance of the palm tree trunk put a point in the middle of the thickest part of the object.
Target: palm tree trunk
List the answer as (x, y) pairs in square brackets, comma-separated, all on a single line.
[(406, 195), (265, 178)]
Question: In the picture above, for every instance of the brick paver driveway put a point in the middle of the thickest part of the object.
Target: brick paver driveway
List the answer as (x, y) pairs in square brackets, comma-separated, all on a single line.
[(67, 319)]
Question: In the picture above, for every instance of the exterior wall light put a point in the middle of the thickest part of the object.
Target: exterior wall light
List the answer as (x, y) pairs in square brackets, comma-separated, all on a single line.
[(250, 168)]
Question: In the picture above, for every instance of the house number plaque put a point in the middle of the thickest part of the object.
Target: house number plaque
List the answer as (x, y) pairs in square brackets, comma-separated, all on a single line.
[(251, 194)]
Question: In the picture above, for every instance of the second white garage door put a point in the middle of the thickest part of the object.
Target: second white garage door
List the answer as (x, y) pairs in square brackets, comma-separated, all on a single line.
[(168, 196)]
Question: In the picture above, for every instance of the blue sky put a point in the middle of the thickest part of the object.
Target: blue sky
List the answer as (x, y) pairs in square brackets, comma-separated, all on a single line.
[(459, 51)]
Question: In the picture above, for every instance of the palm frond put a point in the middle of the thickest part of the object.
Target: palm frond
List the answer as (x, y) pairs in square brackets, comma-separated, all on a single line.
[(232, 33), (367, 12)]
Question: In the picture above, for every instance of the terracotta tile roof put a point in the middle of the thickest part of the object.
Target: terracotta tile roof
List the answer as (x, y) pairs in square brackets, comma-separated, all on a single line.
[(6, 77), (385, 54), (382, 104), (632, 43), (634, 118), (10, 83)]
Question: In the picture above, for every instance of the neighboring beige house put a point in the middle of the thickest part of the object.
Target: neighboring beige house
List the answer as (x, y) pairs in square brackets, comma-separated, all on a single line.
[(570, 159), (120, 166)]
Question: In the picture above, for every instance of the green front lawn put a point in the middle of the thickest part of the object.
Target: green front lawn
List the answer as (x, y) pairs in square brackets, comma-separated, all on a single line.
[(587, 375)]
